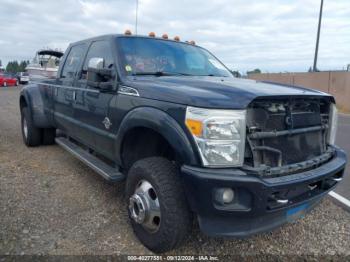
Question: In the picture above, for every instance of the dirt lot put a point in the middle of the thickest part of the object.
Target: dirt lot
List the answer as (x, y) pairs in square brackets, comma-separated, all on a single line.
[(50, 203)]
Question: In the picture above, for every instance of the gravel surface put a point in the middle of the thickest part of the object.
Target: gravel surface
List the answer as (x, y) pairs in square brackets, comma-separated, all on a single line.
[(50, 203)]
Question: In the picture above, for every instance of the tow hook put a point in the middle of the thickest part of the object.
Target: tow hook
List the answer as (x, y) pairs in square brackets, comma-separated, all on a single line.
[(279, 200), (312, 187), (337, 179), (282, 201)]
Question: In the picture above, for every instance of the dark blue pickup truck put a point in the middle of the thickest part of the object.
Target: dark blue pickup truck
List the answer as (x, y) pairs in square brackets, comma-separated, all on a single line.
[(192, 142)]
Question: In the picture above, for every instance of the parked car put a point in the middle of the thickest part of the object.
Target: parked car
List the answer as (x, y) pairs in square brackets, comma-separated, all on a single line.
[(191, 141), (7, 79), (23, 77)]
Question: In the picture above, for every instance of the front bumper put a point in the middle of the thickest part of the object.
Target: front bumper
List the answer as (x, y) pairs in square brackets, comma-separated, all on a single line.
[(256, 207)]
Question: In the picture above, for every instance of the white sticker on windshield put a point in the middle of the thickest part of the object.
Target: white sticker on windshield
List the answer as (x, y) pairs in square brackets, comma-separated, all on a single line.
[(216, 64)]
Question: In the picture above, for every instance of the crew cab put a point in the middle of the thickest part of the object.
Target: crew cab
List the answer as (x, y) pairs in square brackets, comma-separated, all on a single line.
[(193, 142)]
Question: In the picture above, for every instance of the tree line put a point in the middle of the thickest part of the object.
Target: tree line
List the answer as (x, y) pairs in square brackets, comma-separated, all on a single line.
[(15, 66)]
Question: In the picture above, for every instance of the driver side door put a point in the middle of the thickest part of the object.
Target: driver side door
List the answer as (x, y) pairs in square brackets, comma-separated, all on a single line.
[(93, 105)]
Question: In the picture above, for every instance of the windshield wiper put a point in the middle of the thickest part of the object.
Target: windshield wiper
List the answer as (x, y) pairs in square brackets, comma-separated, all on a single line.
[(159, 73), (169, 73), (213, 75)]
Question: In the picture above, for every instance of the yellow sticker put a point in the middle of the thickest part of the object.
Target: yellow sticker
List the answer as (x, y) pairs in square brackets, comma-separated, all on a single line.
[(128, 68)]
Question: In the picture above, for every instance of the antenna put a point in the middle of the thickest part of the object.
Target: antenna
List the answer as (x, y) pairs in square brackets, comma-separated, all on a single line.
[(137, 9)]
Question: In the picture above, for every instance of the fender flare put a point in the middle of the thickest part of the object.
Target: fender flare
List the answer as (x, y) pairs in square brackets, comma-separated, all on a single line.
[(162, 123), (33, 98)]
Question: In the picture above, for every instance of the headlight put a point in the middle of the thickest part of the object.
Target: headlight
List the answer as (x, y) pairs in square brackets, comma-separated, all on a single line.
[(219, 134), (333, 124)]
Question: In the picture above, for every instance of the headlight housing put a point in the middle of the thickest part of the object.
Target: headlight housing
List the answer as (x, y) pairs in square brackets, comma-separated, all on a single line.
[(219, 135), (333, 124)]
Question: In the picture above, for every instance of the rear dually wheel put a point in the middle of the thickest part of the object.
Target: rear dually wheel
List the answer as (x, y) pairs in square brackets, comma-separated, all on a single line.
[(32, 135)]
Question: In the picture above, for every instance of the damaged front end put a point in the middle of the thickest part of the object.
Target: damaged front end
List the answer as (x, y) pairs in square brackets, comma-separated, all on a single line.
[(288, 135), (290, 163)]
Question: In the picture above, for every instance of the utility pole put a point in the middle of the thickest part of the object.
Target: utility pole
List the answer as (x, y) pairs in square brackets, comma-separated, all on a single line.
[(137, 9), (318, 37)]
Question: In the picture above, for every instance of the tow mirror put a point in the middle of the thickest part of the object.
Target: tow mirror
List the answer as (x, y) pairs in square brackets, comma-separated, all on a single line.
[(97, 75), (96, 63)]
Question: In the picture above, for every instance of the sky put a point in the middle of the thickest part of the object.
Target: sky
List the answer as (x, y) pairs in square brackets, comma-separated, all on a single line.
[(273, 35)]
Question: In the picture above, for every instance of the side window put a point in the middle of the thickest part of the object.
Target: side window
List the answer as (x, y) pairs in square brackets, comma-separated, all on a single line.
[(73, 61), (98, 49)]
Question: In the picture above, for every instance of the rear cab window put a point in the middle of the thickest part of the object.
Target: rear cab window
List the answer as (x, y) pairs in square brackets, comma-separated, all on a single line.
[(73, 61)]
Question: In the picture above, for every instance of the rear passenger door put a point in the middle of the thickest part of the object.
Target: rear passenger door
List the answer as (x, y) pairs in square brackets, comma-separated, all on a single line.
[(92, 105), (65, 93)]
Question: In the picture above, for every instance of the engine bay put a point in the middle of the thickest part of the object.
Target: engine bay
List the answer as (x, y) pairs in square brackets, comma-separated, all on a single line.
[(287, 135)]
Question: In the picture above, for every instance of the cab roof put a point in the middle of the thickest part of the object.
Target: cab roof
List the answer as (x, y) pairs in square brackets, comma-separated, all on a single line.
[(114, 36)]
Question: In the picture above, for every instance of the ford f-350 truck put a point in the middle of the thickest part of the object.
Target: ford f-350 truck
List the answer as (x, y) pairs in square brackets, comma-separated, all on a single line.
[(192, 142)]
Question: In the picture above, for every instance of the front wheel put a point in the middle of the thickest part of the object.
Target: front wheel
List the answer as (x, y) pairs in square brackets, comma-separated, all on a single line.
[(157, 205)]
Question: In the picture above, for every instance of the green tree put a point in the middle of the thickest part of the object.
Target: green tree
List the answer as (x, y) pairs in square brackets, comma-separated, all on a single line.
[(22, 65), (255, 71), (15, 67)]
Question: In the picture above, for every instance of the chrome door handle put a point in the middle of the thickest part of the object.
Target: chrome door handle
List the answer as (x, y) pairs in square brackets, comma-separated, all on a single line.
[(74, 95)]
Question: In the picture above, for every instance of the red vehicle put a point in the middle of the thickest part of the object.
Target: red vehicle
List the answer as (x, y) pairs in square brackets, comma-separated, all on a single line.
[(8, 80)]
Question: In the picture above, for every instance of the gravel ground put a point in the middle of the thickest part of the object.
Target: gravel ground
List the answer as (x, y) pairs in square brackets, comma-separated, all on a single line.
[(50, 203)]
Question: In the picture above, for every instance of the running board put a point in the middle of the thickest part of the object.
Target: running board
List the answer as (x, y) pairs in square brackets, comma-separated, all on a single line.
[(106, 171)]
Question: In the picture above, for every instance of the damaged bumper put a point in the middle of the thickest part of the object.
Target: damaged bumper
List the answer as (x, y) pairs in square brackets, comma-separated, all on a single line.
[(260, 203)]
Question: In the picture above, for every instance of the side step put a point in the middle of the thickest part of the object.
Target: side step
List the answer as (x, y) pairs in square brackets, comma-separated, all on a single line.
[(109, 173)]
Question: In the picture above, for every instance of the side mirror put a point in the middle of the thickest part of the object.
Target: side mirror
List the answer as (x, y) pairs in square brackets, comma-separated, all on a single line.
[(96, 63), (97, 75)]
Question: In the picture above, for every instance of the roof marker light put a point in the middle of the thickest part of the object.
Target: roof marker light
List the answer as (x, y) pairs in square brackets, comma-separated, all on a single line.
[(127, 32), (176, 38), (152, 34), (165, 36), (192, 42)]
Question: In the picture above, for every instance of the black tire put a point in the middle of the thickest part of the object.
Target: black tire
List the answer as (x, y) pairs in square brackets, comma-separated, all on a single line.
[(33, 136), (49, 135), (176, 218)]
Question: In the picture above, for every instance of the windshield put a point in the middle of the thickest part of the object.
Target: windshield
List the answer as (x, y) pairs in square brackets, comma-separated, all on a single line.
[(145, 56)]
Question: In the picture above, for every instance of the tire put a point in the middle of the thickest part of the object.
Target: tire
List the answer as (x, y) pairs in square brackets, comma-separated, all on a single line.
[(49, 135), (32, 135), (175, 219)]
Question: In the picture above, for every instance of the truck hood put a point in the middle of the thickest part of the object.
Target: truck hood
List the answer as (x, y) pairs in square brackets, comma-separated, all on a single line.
[(213, 92)]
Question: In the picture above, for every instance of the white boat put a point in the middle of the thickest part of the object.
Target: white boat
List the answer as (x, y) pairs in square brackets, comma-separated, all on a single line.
[(44, 65)]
